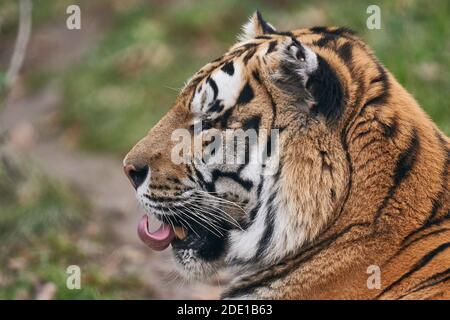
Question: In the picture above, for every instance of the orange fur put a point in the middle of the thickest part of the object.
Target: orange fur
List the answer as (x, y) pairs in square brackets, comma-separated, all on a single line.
[(371, 189)]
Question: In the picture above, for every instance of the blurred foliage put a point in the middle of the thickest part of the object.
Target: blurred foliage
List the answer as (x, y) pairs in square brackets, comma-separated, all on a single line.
[(45, 261), (41, 223), (31, 204)]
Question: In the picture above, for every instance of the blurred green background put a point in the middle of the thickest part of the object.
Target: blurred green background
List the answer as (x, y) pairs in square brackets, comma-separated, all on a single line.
[(112, 80)]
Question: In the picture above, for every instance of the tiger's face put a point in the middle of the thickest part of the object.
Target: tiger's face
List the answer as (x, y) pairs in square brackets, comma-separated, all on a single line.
[(219, 170)]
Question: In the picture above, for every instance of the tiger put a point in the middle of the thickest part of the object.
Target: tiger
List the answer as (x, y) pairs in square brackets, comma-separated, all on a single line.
[(353, 200)]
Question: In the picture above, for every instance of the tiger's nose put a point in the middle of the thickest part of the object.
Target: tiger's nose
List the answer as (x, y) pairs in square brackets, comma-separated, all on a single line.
[(137, 175)]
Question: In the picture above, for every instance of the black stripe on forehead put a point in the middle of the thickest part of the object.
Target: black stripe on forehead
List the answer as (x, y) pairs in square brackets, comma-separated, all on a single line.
[(326, 39), (214, 87), (217, 106), (243, 48), (337, 31), (249, 55), (264, 37), (228, 68), (247, 94), (272, 46)]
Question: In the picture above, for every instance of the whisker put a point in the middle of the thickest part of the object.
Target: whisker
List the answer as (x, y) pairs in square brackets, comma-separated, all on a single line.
[(210, 194), (214, 216), (199, 217), (217, 213), (179, 215), (172, 88), (233, 220)]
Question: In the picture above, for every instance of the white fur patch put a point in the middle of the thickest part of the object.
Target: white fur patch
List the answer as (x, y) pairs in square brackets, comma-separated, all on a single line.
[(229, 88)]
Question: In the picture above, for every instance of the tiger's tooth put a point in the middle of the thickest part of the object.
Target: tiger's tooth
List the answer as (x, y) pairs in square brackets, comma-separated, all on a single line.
[(180, 232)]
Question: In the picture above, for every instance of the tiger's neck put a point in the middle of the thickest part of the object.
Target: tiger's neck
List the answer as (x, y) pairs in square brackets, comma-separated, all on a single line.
[(393, 188)]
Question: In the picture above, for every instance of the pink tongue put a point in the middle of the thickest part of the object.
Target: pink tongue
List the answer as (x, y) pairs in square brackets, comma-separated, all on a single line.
[(158, 240)]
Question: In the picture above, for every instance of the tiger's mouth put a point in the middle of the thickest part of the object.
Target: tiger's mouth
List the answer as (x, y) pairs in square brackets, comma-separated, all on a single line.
[(161, 238), (207, 245), (198, 230)]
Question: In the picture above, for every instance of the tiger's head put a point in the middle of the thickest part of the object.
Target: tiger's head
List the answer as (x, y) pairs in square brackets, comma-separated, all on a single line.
[(279, 99)]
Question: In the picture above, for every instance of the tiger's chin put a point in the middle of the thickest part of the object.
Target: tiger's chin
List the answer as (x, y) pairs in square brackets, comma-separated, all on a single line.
[(199, 255), (198, 252)]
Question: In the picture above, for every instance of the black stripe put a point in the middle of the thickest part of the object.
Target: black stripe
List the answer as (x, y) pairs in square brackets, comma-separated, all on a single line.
[(382, 77), (319, 29), (357, 126), (174, 179), (246, 95), (269, 222), (167, 187), (256, 76), (351, 120), (223, 120), (263, 37), (390, 130), (435, 279), (338, 31), (217, 59), (331, 36), (327, 91), (345, 52), (252, 123), (439, 200), (325, 40), (189, 173), (383, 97), (213, 85), (407, 245), (284, 33), (361, 134), (380, 99), (247, 46), (342, 31), (419, 265), (402, 169), (272, 46), (300, 54), (161, 198), (429, 224), (210, 187), (249, 55), (255, 210), (217, 106), (252, 215), (228, 68)]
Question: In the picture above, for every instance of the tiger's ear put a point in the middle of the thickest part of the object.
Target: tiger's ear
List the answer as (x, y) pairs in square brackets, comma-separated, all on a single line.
[(256, 26)]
